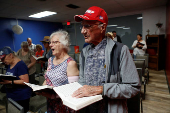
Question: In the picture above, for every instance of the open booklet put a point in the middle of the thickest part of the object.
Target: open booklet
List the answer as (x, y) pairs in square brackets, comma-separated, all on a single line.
[(65, 92), (7, 77), (40, 58), (38, 88)]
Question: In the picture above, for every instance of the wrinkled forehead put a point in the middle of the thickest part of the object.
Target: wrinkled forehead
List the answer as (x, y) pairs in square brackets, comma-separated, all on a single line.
[(89, 22)]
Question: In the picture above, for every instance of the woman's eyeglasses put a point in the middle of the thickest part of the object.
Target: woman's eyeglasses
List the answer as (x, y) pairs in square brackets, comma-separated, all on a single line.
[(54, 42)]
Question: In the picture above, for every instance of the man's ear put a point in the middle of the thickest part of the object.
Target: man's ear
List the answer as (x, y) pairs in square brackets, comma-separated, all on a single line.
[(103, 27), (11, 55)]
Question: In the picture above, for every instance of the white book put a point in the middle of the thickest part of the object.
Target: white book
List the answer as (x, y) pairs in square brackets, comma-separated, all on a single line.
[(65, 92), (38, 88)]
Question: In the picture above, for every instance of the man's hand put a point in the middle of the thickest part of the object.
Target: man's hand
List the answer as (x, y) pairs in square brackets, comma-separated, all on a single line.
[(87, 91)]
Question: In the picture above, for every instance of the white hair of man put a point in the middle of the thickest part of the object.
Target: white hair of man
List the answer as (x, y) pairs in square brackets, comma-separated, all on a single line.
[(63, 37), (25, 43)]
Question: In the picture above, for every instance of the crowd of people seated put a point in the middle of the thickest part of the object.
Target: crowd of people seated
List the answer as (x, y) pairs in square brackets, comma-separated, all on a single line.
[(100, 73)]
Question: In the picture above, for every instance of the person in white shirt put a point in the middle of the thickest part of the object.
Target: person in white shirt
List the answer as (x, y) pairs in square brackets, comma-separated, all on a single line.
[(116, 37), (31, 46), (139, 46)]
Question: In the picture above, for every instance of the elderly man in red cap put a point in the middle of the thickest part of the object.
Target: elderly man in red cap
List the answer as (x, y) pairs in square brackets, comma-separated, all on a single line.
[(106, 66)]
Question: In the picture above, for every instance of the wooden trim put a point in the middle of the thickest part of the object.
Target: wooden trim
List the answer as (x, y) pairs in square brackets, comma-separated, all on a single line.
[(167, 81)]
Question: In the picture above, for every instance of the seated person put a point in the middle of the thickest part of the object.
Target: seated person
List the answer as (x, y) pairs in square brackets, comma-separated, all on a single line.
[(139, 46), (16, 89), (116, 37)]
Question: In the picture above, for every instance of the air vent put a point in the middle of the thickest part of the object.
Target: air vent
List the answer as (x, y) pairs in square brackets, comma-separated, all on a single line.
[(42, 0), (72, 6)]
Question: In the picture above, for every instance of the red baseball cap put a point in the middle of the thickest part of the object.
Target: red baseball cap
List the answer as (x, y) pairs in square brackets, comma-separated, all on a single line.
[(93, 13)]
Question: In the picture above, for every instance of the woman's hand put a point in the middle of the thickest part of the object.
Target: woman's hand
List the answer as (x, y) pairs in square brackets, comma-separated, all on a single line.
[(87, 91), (6, 82)]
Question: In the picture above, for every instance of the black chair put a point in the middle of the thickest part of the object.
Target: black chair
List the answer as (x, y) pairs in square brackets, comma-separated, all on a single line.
[(140, 63), (146, 57), (72, 55), (14, 107), (2, 70), (43, 109), (134, 103)]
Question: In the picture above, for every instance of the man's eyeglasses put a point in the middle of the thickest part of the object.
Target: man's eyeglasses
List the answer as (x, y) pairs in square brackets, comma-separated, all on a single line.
[(87, 26), (54, 42)]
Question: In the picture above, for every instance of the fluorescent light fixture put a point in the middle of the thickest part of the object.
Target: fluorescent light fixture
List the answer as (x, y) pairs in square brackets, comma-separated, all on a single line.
[(42, 14), (127, 28), (111, 25), (139, 17), (120, 27)]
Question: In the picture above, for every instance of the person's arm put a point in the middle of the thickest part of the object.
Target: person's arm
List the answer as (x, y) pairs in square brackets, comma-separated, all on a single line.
[(130, 84), (44, 83), (33, 61), (145, 46), (23, 78), (72, 69), (72, 72), (134, 44)]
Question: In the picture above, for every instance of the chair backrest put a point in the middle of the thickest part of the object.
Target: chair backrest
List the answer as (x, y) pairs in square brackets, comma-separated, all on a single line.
[(146, 57), (133, 103), (72, 55), (77, 57), (140, 71), (140, 63), (14, 107)]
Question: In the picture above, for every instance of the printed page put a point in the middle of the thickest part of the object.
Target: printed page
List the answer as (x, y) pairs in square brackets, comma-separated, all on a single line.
[(38, 87), (67, 90), (79, 103)]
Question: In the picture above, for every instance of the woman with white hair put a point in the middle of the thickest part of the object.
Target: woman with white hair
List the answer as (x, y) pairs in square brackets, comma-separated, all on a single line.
[(62, 69), (26, 55)]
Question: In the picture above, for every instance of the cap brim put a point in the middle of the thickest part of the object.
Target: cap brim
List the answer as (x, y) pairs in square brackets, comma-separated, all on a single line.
[(79, 18), (44, 41)]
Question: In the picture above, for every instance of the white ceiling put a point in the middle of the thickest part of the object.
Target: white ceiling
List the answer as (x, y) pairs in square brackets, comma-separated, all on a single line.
[(21, 9)]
